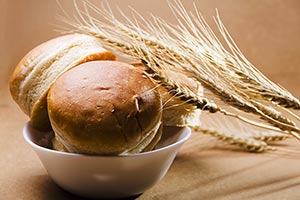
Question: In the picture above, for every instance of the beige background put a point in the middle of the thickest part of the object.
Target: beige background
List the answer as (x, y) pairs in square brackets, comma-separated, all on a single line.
[(267, 31)]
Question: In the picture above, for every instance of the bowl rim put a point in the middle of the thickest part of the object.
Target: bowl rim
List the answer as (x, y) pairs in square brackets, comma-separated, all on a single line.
[(180, 141)]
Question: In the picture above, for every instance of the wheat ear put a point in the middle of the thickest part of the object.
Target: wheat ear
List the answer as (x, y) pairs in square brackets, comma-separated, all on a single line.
[(217, 56), (169, 54), (247, 143), (235, 132), (194, 33), (269, 136), (264, 87), (189, 97)]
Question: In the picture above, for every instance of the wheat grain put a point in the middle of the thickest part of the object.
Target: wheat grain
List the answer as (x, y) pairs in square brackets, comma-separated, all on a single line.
[(269, 136), (249, 144), (235, 132), (270, 115), (269, 111), (244, 74), (187, 96), (264, 87)]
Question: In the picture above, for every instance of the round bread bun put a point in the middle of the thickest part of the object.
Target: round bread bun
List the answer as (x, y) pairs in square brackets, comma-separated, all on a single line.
[(175, 111), (105, 107), (36, 72)]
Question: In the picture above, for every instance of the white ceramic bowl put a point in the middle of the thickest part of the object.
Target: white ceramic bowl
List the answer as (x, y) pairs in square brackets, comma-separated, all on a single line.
[(107, 176)]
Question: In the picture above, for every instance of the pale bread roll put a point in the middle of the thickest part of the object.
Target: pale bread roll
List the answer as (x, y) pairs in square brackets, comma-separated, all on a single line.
[(38, 70), (105, 107)]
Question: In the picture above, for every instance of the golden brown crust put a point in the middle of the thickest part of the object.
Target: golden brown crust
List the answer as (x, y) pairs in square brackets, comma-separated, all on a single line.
[(175, 111), (24, 67), (104, 107), (35, 73), (39, 115)]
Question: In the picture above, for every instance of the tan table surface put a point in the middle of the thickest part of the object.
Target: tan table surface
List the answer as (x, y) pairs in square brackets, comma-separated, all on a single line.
[(198, 172), (268, 33)]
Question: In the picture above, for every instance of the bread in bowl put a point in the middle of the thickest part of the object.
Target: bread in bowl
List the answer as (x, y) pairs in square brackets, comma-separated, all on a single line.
[(176, 112), (41, 69), (38, 70), (105, 107)]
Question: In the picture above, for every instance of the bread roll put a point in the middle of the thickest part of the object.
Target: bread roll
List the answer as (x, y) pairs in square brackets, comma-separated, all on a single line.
[(41, 68), (175, 111), (36, 72), (105, 107)]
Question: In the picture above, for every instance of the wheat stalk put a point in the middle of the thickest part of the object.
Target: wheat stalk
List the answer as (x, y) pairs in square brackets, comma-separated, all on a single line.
[(263, 86), (248, 143), (254, 142), (188, 96), (235, 132), (232, 96), (269, 136), (198, 55), (255, 83)]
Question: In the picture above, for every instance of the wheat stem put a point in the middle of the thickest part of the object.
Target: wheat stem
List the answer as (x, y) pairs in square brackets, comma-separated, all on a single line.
[(292, 114), (249, 144), (200, 103), (204, 60), (266, 88)]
